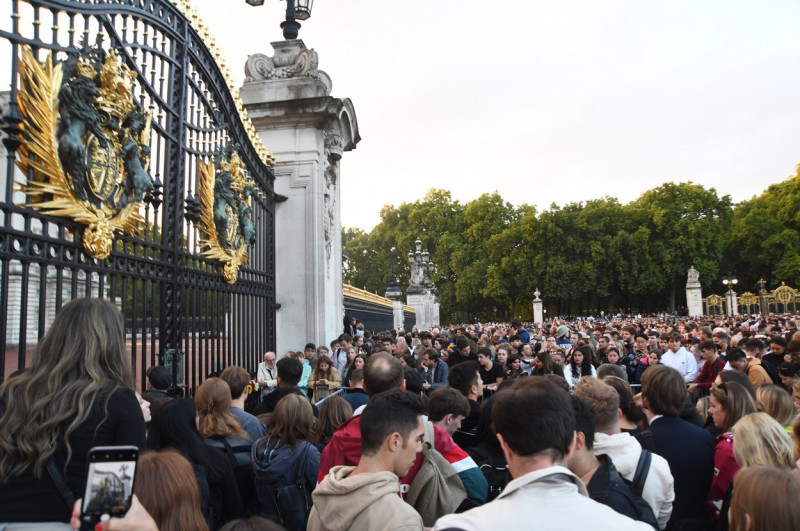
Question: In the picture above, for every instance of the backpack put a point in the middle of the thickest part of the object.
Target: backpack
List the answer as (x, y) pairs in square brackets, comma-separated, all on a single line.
[(237, 450), (493, 469), (437, 489), (622, 491)]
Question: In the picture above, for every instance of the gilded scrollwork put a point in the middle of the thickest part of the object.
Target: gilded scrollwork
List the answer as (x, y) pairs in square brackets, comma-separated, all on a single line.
[(86, 143)]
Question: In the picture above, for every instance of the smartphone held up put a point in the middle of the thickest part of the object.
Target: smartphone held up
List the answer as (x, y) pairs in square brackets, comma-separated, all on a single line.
[(109, 483)]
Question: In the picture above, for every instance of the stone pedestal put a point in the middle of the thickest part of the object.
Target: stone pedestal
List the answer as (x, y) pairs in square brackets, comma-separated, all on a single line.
[(538, 316), (289, 102), (395, 294), (398, 317), (694, 293), (732, 302)]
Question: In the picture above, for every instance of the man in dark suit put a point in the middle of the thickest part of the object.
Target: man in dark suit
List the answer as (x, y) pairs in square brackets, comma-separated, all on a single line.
[(688, 449)]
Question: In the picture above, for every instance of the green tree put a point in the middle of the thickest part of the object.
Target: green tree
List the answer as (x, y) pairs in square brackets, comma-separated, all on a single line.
[(687, 224)]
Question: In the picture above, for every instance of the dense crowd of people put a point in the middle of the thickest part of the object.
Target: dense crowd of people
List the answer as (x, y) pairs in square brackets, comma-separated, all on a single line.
[(623, 423)]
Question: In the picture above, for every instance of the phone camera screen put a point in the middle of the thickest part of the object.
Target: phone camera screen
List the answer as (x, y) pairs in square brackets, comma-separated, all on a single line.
[(109, 487)]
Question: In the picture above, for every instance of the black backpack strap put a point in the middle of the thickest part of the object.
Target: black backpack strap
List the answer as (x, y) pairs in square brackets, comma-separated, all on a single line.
[(642, 469), (228, 450), (301, 474), (649, 440), (60, 482)]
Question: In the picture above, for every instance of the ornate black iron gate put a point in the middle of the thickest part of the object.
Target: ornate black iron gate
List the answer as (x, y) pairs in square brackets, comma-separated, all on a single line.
[(179, 308)]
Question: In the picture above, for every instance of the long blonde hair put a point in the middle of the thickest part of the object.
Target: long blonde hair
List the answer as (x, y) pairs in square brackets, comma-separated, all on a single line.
[(758, 439), (213, 403), (777, 403), (81, 356)]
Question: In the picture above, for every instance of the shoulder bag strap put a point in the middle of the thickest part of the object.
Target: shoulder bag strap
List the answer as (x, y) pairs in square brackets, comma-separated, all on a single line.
[(228, 450), (642, 469), (649, 439), (61, 483), (300, 475)]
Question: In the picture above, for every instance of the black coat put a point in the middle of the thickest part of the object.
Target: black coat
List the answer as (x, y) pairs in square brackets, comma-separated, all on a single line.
[(689, 450)]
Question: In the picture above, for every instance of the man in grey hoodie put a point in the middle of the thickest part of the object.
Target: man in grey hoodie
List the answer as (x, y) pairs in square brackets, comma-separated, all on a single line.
[(367, 496)]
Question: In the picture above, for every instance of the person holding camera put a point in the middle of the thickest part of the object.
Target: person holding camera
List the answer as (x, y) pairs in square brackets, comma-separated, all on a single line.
[(77, 394)]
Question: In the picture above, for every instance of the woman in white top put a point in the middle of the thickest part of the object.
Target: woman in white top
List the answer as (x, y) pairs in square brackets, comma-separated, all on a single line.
[(579, 366)]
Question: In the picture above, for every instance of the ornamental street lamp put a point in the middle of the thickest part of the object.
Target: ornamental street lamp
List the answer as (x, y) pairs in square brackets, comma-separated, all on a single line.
[(421, 265), (730, 281), (295, 10)]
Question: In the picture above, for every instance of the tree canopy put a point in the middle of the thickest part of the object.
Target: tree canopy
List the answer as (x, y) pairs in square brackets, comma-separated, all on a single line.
[(589, 257)]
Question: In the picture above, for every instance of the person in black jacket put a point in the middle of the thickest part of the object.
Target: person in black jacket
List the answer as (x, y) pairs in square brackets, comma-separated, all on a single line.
[(688, 449), (290, 371), (598, 473), (174, 426)]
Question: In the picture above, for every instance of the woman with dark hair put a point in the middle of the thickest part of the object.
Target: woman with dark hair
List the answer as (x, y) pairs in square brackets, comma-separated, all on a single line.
[(613, 357), (285, 455), (502, 356), (333, 412), (365, 350), (514, 369), (167, 487), (174, 426), (325, 378), (729, 403), (77, 393), (543, 364), (789, 374), (408, 361), (359, 362), (579, 366), (633, 419)]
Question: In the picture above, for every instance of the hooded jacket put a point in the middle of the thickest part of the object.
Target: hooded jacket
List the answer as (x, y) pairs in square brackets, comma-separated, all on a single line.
[(278, 466), (344, 448), (659, 487), (364, 501)]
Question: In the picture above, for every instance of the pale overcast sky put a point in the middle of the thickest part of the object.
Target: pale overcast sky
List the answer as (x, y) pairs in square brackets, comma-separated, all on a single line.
[(547, 101), (554, 101)]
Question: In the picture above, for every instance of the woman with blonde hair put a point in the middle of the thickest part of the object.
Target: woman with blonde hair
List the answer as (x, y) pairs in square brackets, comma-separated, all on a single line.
[(762, 500), (222, 431), (167, 487), (77, 393), (758, 439), (777, 403), (286, 456)]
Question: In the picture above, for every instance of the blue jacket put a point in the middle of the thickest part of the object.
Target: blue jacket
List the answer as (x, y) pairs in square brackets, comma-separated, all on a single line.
[(279, 466), (439, 375)]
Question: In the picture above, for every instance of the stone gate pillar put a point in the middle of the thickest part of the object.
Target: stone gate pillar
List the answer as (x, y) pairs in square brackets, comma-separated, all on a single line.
[(538, 316), (290, 104), (694, 293)]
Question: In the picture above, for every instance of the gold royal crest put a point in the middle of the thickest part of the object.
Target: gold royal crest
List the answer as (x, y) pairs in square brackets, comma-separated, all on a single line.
[(226, 193), (85, 142)]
